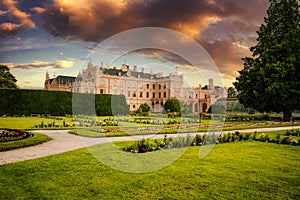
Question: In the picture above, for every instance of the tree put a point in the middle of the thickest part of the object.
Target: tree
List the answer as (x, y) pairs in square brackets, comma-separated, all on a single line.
[(270, 80), (143, 109), (7, 80), (172, 105)]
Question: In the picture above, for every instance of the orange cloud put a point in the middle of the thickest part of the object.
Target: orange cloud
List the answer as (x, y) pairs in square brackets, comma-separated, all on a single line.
[(38, 64), (19, 20)]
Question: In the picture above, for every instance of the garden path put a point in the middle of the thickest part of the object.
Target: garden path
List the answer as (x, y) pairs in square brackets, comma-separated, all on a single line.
[(61, 141)]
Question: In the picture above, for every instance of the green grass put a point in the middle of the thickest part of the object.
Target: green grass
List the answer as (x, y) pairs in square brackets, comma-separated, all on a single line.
[(240, 170), (27, 123), (36, 139)]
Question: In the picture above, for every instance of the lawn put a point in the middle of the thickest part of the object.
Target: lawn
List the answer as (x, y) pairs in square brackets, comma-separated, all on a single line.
[(26, 123), (238, 170)]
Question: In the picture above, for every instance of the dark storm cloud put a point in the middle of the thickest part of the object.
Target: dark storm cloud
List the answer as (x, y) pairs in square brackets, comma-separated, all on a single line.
[(96, 20)]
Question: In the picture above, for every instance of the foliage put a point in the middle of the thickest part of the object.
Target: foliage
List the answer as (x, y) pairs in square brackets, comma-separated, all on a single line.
[(143, 146), (143, 110), (270, 80), (172, 105), (58, 103), (7, 80)]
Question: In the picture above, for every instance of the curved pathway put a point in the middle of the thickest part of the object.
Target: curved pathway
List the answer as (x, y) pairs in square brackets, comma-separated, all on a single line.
[(61, 141)]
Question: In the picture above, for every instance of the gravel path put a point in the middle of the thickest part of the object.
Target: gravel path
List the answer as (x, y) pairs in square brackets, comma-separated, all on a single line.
[(62, 141)]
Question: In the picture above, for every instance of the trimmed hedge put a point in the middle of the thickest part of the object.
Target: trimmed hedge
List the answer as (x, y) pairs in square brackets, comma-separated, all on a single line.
[(58, 103)]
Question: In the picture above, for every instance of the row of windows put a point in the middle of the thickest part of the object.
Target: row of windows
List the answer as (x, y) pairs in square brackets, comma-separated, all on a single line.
[(141, 94), (147, 95)]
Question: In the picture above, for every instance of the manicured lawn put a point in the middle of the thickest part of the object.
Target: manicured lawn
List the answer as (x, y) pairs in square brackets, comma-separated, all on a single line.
[(30, 122), (238, 170)]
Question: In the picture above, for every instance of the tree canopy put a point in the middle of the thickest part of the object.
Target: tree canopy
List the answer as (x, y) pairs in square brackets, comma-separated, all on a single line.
[(270, 79), (7, 80), (172, 105)]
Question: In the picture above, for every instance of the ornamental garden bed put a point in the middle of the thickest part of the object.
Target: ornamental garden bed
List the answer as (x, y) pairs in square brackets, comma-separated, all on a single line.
[(13, 139), (289, 137), (8, 135)]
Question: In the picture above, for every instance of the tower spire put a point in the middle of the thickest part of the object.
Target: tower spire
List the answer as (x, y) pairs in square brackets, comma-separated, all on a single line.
[(47, 75)]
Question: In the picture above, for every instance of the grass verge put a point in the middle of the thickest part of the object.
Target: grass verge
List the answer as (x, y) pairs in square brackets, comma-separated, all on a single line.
[(36, 139)]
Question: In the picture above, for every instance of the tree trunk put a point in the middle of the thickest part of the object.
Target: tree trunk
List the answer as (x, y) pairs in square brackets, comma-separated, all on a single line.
[(287, 115)]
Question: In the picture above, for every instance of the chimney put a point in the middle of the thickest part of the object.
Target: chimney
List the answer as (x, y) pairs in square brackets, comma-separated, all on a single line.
[(143, 70), (125, 68), (107, 66), (134, 68), (211, 84)]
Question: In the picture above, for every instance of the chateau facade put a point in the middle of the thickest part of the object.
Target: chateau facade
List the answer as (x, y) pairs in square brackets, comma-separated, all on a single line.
[(139, 87)]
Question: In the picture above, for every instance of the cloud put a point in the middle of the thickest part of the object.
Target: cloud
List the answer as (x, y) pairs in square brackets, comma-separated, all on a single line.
[(9, 65), (19, 20), (96, 20), (39, 64)]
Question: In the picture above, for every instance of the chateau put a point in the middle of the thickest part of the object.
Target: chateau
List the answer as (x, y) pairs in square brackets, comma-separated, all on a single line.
[(138, 87)]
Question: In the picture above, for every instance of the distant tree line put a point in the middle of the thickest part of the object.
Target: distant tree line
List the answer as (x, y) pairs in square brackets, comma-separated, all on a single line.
[(15, 102)]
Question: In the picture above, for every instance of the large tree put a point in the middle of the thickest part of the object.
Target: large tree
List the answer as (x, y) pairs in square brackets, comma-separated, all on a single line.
[(7, 80), (172, 105), (270, 80)]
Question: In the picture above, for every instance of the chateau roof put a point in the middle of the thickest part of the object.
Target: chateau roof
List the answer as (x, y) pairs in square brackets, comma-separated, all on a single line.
[(63, 79), (116, 72)]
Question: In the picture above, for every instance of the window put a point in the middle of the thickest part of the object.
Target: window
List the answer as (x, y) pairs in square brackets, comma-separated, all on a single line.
[(141, 94), (128, 94), (134, 94), (133, 106), (147, 86), (159, 86), (153, 95), (165, 85), (153, 87), (159, 95), (165, 95), (147, 95), (101, 91)]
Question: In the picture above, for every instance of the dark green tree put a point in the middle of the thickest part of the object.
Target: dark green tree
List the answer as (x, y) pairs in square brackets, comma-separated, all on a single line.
[(7, 80), (145, 107), (172, 105), (270, 80)]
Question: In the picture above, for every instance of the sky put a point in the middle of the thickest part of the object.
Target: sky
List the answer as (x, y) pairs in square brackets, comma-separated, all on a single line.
[(62, 36)]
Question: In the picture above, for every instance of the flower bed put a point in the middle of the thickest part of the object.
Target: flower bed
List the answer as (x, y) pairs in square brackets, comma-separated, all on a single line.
[(143, 146), (7, 135)]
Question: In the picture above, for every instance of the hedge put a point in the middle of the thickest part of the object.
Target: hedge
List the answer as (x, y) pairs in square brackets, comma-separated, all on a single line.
[(15, 102)]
